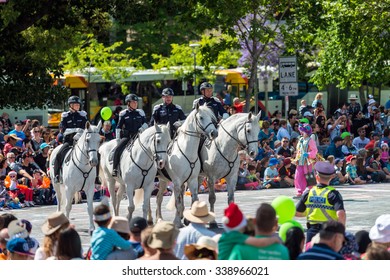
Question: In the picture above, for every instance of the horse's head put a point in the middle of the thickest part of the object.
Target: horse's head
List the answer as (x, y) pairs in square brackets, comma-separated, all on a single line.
[(205, 121), (92, 142), (161, 141), (248, 134)]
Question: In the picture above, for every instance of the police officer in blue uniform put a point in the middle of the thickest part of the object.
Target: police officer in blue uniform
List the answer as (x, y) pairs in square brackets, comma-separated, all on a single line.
[(70, 120), (131, 121), (212, 102), (167, 112)]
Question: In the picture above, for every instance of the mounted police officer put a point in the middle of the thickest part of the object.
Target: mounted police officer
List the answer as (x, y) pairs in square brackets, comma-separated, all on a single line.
[(322, 203), (71, 121), (212, 102), (167, 112), (131, 121)]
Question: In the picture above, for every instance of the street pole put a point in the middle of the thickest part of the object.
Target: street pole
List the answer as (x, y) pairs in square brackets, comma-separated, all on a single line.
[(266, 94), (194, 46)]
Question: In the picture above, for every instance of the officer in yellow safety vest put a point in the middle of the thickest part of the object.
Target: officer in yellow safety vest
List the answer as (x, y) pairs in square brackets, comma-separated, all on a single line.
[(322, 203)]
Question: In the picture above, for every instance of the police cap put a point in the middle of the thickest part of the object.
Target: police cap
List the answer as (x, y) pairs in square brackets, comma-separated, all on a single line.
[(167, 92), (324, 167)]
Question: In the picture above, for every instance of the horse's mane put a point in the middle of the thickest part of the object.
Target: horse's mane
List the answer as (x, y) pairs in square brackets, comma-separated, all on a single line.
[(233, 120)]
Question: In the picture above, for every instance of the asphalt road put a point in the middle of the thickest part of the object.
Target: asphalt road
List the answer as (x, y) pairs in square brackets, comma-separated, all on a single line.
[(363, 205)]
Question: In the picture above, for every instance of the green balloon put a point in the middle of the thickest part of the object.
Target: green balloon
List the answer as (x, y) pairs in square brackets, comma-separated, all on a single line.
[(106, 113), (286, 226), (284, 207)]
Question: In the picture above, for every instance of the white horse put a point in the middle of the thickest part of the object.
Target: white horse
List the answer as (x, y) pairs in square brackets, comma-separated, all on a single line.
[(138, 166), (220, 158), (183, 164), (78, 170)]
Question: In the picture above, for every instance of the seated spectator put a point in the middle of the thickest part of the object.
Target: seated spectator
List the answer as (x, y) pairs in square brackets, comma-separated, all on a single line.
[(271, 175), (204, 249), (331, 241), (41, 188), (380, 232), (374, 141), (121, 226), (267, 133), (163, 239), (148, 252), (377, 252), (261, 167), (286, 173), (334, 149), (348, 148), (361, 141), (266, 225), (137, 226), (351, 171), (363, 240), (385, 155), (69, 245), (243, 176), (374, 168), (295, 242), (284, 150), (283, 132), (255, 181), (18, 249)]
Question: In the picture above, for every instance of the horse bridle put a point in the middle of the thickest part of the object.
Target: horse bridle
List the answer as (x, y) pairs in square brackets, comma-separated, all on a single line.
[(198, 125), (85, 174), (153, 158)]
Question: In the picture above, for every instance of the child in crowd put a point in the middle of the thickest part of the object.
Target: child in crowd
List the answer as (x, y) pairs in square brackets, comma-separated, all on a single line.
[(104, 240), (271, 175), (41, 188), (234, 223), (5, 198), (242, 176), (253, 177), (286, 173), (337, 164), (385, 155), (351, 170)]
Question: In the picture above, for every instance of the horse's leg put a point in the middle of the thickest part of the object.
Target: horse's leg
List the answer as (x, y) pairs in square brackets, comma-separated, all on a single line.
[(90, 192), (179, 203), (160, 196), (111, 189), (131, 207), (57, 189), (147, 212), (212, 197), (231, 181), (68, 202), (193, 186), (119, 196)]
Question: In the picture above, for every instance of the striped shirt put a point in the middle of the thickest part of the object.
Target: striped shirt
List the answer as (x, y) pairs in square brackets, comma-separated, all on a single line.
[(320, 252), (103, 242)]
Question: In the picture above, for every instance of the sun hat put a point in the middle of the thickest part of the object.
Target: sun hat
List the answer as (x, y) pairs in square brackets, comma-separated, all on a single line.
[(19, 246), (163, 235), (305, 128), (273, 161), (380, 232), (204, 242), (55, 221), (233, 219), (138, 224), (13, 136), (15, 230), (120, 224), (199, 213), (44, 145)]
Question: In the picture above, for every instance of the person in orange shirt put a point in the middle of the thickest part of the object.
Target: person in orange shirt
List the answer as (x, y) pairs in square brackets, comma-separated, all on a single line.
[(238, 105)]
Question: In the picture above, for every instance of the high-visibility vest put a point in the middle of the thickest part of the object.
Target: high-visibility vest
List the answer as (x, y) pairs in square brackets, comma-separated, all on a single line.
[(319, 210)]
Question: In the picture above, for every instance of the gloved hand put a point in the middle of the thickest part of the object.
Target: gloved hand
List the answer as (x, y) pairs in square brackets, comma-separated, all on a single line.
[(225, 116), (118, 133), (143, 127), (177, 124)]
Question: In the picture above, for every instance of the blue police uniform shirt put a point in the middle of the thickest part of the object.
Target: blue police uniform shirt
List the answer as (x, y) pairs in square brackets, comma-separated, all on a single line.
[(162, 114), (213, 103), (71, 119), (130, 121)]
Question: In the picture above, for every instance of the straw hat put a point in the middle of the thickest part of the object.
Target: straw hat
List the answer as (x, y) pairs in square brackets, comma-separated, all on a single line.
[(199, 213), (13, 136), (55, 221), (204, 242)]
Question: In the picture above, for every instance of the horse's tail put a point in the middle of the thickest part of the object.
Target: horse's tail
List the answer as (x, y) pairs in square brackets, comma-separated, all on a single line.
[(138, 197), (171, 206)]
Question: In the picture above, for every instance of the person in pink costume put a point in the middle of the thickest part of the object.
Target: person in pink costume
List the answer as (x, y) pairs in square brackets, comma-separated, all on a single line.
[(306, 154)]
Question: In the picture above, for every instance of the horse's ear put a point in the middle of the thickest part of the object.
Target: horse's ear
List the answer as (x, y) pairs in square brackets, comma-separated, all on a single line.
[(87, 125), (259, 116), (99, 126), (249, 116)]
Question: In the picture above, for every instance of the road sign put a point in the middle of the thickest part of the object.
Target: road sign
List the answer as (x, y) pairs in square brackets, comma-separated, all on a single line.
[(288, 69), (288, 89)]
